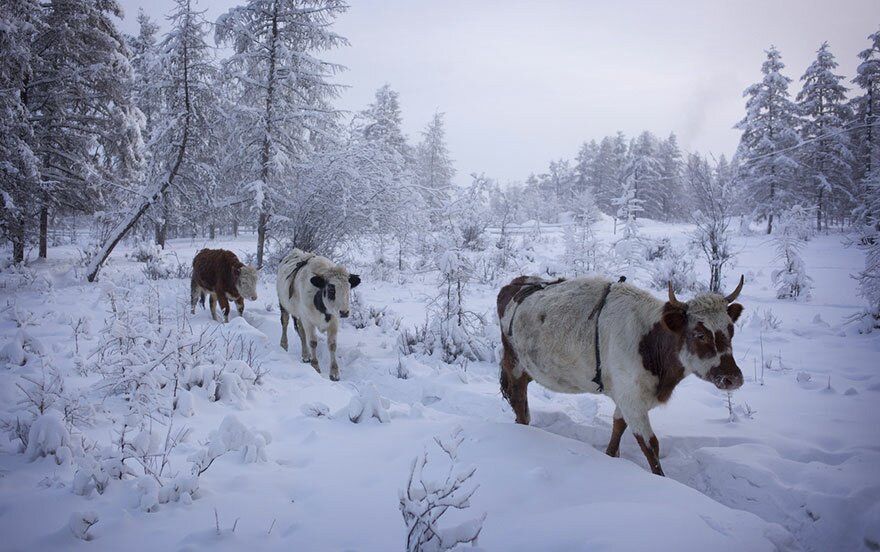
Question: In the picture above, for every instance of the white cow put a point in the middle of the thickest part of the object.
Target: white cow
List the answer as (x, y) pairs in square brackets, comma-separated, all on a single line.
[(590, 335), (315, 292)]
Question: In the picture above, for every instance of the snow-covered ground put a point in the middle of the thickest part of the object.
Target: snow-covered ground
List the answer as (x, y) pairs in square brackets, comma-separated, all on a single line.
[(797, 465)]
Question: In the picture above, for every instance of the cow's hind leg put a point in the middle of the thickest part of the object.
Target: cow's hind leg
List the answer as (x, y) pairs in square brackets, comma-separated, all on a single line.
[(285, 320), (193, 295), (514, 387), (301, 332), (332, 330), (212, 302), (616, 433)]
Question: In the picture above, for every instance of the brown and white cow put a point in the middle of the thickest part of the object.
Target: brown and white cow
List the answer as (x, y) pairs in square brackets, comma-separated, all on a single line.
[(219, 274), (645, 347), (315, 292)]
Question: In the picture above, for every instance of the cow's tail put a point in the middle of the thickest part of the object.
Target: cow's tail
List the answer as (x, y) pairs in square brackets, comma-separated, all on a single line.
[(508, 363)]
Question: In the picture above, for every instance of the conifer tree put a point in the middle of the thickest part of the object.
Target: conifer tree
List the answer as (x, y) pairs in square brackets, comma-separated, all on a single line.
[(768, 168), (825, 157), (19, 166), (283, 90)]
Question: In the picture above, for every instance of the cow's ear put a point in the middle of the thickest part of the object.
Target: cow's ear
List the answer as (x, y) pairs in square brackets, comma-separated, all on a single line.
[(318, 282), (734, 310), (674, 318), (354, 280)]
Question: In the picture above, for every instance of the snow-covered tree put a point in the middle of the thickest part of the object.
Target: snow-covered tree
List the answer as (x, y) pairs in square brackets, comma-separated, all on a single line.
[(19, 166), (434, 168), (645, 169), (867, 137), (768, 167), (283, 90), (671, 201), (712, 193), (606, 171), (824, 156), (629, 248), (87, 129), (791, 279), (185, 85), (581, 245), (583, 168), (380, 126)]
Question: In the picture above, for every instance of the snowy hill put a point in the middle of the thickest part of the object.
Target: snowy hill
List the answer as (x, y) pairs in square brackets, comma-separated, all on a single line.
[(789, 463)]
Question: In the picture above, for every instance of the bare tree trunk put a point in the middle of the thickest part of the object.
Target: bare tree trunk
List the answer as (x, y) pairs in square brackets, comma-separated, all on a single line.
[(264, 170), (235, 227), (18, 241), (162, 230), (44, 231)]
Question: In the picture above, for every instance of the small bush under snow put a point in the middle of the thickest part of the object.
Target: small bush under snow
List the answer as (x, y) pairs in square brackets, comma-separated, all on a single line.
[(49, 437)]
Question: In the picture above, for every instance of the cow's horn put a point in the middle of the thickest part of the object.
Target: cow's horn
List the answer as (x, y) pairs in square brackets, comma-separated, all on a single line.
[(732, 297), (675, 302)]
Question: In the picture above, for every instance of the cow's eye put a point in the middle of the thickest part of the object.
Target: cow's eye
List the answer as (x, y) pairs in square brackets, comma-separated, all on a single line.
[(703, 337)]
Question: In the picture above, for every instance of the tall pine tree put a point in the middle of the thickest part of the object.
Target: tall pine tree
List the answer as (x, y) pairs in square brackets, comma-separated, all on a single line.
[(768, 168), (825, 156)]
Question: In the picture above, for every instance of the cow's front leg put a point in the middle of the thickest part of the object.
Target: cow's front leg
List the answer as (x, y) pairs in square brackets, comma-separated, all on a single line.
[(303, 346), (312, 336), (641, 428), (224, 305), (617, 430), (285, 320), (332, 330), (239, 305), (212, 301)]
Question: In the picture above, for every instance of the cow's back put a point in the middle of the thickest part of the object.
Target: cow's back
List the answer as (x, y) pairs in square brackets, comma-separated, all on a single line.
[(292, 283), (213, 270), (551, 332)]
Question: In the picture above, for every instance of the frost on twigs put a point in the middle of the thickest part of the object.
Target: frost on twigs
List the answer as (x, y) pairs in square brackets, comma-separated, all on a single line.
[(425, 501), (232, 436), (80, 523), (369, 404)]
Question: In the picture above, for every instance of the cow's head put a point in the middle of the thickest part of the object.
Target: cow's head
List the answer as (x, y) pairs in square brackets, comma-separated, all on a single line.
[(335, 286), (705, 324), (246, 282)]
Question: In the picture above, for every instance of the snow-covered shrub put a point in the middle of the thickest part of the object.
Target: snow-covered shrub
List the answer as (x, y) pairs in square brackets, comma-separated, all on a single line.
[(80, 523), (232, 436), (368, 404), (456, 331), (764, 319), (146, 251), (676, 266), (415, 341), (363, 316), (424, 502), (49, 437), (791, 279), (164, 268)]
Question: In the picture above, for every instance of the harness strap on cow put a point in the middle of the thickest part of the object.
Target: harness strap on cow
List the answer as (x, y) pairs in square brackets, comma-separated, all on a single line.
[(597, 311), (527, 289), (298, 267)]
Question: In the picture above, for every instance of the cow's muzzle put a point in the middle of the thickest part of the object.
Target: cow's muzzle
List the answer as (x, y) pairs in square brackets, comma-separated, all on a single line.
[(727, 375), (343, 314)]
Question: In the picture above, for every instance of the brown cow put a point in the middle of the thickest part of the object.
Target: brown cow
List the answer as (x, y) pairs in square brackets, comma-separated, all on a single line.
[(219, 273)]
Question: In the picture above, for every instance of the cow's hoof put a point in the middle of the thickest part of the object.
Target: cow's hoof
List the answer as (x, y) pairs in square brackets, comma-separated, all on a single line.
[(306, 360), (334, 377)]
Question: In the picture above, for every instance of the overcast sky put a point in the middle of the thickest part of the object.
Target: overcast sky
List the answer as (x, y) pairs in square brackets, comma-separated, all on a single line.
[(523, 83)]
